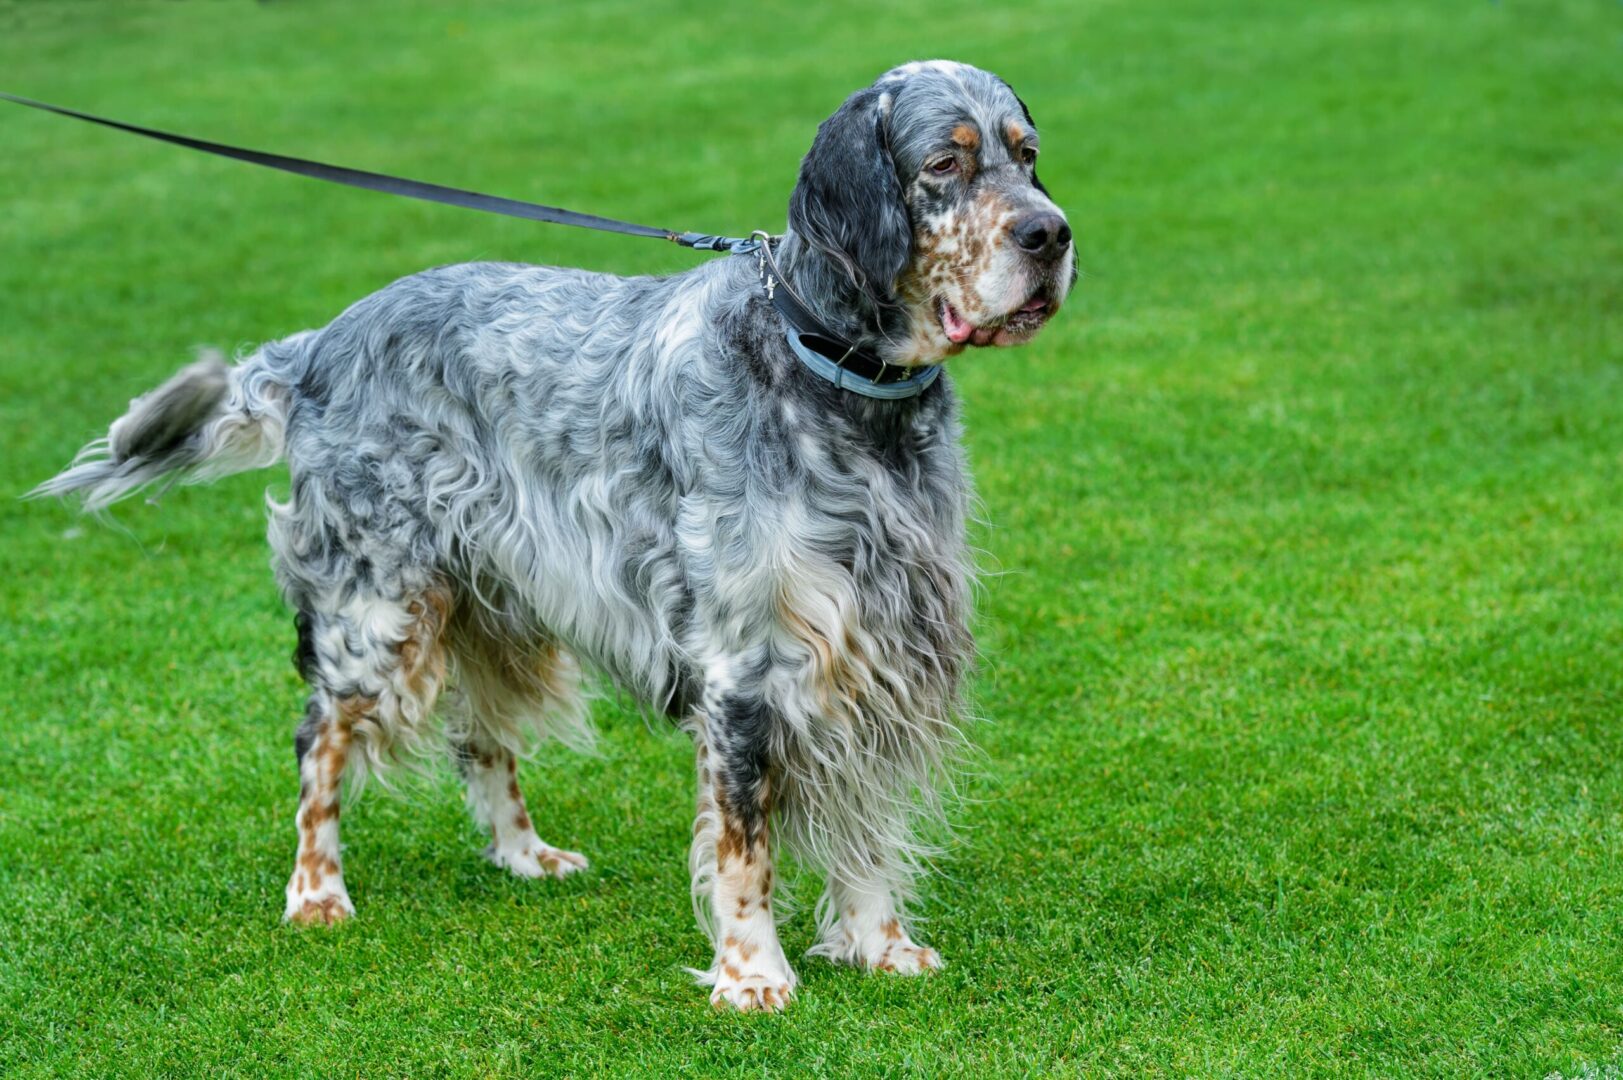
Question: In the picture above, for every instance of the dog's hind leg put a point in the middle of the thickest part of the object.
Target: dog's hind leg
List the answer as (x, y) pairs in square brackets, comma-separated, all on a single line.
[(316, 892), (491, 771), (375, 667), (512, 692)]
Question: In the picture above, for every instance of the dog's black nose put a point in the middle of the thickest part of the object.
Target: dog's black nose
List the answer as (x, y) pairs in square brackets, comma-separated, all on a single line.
[(1043, 236)]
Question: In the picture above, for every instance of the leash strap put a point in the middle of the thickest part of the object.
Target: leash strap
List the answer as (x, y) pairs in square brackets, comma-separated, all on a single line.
[(411, 189), (829, 355)]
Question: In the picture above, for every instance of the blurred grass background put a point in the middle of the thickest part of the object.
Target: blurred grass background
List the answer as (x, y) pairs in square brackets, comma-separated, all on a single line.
[(1305, 531)]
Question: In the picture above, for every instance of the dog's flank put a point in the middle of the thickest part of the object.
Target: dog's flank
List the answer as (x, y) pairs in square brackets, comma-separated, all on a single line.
[(502, 475)]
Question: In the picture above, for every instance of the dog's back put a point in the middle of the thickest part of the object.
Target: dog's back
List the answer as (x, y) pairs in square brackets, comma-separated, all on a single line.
[(427, 423)]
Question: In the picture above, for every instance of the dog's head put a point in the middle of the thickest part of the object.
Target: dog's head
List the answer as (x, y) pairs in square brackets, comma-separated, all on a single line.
[(922, 189)]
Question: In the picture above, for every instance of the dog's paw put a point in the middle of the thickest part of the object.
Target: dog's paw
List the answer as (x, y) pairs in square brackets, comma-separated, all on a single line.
[(884, 946), (753, 992), (908, 959), (535, 860), (326, 906), (749, 976)]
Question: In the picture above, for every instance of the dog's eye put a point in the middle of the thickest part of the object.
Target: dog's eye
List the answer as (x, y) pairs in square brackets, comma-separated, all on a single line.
[(943, 166), (1028, 155)]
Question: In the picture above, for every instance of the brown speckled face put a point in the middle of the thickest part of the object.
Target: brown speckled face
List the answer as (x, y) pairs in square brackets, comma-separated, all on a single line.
[(992, 257)]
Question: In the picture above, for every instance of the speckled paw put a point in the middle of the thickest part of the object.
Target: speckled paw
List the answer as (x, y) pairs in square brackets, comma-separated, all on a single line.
[(538, 860)]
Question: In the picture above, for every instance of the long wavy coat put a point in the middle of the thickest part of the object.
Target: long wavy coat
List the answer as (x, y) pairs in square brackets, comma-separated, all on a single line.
[(504, 475)]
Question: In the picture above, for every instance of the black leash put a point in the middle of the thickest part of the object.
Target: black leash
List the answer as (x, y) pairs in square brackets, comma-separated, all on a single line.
[(411, 189), (843, 358)]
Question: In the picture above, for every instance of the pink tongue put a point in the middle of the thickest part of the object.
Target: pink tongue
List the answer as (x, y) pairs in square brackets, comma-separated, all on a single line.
[(1036, 303), (958, 331)]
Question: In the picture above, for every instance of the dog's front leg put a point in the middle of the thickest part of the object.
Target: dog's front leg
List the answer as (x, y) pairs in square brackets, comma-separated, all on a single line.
[(732, 856), (865, 929)]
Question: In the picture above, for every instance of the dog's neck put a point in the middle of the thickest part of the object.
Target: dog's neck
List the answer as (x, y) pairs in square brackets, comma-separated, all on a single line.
[(831, 294), (755, 343)]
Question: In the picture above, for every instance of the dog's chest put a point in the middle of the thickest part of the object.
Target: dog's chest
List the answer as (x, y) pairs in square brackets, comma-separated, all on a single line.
[(847, 561), (872, 606)]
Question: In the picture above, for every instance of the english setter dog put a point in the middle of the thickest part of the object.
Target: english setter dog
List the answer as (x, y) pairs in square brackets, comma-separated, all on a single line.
[(503, 476)]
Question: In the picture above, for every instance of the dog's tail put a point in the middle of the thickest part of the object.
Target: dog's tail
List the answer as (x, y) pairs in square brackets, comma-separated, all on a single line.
[(209, 420)]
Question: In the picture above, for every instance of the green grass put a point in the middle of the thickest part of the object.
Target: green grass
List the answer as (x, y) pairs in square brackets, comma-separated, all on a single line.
[(1304, 650)]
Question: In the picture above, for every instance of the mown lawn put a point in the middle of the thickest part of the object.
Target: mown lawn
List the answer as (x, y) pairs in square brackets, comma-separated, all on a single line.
[(1304, 537)]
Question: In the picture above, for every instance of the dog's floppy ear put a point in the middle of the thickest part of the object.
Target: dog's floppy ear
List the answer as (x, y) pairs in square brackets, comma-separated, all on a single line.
[(848, 202)]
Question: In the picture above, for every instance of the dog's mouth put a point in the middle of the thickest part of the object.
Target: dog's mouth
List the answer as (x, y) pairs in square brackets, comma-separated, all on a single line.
[(1015, 328)]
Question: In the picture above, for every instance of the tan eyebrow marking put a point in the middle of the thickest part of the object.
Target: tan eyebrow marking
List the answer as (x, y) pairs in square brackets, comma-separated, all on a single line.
[(966, 136), (1015, 133)]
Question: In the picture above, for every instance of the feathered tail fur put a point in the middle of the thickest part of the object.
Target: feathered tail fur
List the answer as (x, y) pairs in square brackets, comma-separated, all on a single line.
[(209, 420)]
